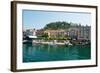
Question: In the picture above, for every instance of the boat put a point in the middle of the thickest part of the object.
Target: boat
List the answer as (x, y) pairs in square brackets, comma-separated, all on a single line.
[(68, 43)]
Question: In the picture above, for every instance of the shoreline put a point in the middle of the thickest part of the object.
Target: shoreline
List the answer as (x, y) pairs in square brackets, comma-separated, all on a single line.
[(56, 42)]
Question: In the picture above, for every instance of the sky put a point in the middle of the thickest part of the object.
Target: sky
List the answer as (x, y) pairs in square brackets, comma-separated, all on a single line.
[(38, 19)]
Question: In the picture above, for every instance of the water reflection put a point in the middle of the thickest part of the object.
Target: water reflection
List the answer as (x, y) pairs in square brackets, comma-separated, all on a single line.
[(45, 52)]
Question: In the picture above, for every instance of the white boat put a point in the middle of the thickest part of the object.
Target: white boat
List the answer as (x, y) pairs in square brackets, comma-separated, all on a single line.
[(68, 42)]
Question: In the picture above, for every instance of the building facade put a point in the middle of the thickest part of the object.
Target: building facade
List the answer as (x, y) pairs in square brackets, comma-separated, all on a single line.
[(75, 32), (84, 32), (55, 33)]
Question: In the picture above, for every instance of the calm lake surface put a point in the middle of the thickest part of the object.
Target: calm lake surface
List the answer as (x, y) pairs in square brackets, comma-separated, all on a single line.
[(45, 52)]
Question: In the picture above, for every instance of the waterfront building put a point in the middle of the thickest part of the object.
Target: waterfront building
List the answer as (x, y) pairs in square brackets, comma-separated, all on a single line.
[(55, 33), (30, 32), (39, 32), (73, 32), (80, 32), (84, 32)]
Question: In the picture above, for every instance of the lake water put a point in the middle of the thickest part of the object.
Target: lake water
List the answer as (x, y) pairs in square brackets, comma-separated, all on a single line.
[(45, 52)]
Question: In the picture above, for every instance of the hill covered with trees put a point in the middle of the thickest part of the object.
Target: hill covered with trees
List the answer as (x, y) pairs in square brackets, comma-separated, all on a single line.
[(58, 25)]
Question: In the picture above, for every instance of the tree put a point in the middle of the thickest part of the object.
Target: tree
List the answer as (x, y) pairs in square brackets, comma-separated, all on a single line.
[(57, 25), (45, 36)]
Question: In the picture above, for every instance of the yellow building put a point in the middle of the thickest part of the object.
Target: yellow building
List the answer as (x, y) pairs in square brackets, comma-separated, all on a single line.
[(55, 33)]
